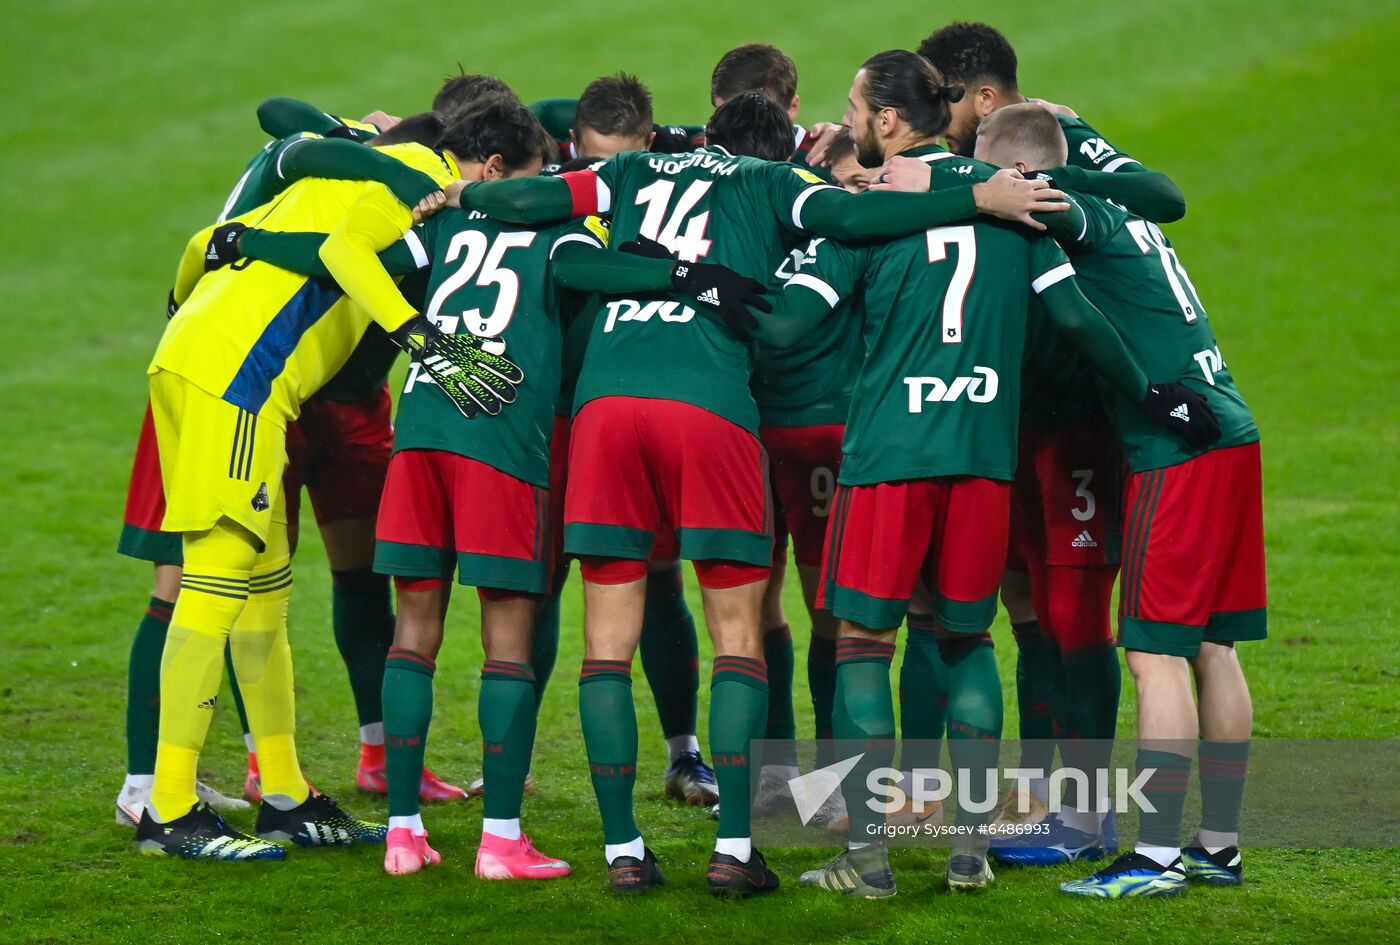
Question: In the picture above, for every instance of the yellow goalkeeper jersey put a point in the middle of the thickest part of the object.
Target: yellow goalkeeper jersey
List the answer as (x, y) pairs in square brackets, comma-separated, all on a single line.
[(266, 339)]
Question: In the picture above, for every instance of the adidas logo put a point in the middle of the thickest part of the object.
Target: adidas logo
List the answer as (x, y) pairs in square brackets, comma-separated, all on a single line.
[(209, 703), (709, 297), (1084, 540), (1180, 412)]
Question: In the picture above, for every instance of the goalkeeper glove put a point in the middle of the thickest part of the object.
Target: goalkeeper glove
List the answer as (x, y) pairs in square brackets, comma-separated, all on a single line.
[(223, 246), (468, 369), (171, 306), (1184, 412)]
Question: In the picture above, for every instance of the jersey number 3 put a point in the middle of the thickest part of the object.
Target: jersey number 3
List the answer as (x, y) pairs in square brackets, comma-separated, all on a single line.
[(481, 257)]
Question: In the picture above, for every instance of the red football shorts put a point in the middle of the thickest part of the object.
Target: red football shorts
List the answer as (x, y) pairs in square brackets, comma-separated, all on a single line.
[(805, 462), (340, 453), (1193, 554), (951, 531), (1066, 529), (653, 478), (145, 505), (442, 511)]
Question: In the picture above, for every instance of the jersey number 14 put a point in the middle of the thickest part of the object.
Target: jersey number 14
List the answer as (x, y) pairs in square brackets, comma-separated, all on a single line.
[(664, 224)]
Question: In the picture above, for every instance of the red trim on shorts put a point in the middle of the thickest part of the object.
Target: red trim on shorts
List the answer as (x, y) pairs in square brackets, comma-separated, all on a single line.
[(413, 584), (717, 575), (611, 570)]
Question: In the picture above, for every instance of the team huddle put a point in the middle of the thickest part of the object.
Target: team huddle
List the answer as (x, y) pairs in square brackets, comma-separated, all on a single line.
[(942, 348)]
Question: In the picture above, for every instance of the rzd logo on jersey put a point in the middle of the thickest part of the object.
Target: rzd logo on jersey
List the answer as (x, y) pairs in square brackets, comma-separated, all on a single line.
[(981, 388), (630, 310)]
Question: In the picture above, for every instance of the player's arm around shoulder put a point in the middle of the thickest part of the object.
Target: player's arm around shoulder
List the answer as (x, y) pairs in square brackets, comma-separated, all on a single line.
[(808, 288), (373, 223)]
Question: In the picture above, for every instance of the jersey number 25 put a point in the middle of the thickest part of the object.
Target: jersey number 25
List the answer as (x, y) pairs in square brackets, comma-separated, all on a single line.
[(481, 257)]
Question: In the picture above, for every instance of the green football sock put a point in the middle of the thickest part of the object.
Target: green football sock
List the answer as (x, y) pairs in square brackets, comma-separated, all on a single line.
[(1092, 683), (782, 724), (506, 712), (671, 653), (237, 696), (923, 696), (974, 720), (610, 738), (1165, 791), (821, 680), (544, 645), (1223, 769), (408, 711), (143, 687), (1037, 676), (738, 710), (362, 619), (863, 720)]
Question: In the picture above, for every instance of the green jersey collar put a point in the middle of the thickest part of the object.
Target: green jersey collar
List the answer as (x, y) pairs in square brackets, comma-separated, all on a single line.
[(928, 153)]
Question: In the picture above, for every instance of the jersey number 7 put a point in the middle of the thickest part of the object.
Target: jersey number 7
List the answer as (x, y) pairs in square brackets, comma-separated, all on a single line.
[(964, 238)]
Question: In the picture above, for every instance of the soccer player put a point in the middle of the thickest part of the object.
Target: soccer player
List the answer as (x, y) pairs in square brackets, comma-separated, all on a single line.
[(472, 497), (302, 153), (978, 59), (1193, 573), (945, 317), (614, 115), (248, 346), (611, 116), (1066, 520), (663, 407), (765, 68)]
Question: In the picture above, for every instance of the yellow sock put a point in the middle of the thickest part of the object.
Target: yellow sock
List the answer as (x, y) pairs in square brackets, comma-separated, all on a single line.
[(213, 592), (262, 658)]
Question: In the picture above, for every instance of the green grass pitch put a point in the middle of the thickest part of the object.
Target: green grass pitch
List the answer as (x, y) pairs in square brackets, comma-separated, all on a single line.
[(126, 126)]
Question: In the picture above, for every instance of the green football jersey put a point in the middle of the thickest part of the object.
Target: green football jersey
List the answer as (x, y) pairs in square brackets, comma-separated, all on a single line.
[(262, 177), (809, 383), (1128, 268), (1090, 150), (707, 206), (938, 393), (493, 280), (1058, 389), (578, 325)]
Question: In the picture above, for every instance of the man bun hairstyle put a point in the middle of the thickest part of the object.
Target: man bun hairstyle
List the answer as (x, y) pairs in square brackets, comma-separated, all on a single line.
[(755, 66), (1025, 133), (752, 124), (615, 105), (462, 90), (498, 124), (971, 54), (906, 82)]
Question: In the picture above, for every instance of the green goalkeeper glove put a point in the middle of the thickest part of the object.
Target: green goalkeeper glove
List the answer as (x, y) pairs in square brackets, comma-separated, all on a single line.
[(469, 370)]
